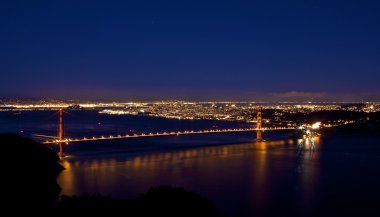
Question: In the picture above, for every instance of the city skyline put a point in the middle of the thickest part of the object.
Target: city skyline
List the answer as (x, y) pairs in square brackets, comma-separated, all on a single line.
[(199, 51)]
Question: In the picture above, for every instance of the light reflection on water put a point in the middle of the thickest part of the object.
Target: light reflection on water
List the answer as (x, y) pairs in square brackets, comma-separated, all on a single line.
[(240, 178), (340, 177)]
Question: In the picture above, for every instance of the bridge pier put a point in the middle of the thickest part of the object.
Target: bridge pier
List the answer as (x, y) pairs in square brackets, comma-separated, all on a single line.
[(61, 135), (259, 136), (61, 152)]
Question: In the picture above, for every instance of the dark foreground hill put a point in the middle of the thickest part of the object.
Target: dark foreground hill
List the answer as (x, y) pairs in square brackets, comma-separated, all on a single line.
[(161, 201), (28, 185), (28, 173)]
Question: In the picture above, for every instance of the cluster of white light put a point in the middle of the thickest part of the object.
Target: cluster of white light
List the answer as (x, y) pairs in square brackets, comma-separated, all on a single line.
[(115, 112), (316, 125)]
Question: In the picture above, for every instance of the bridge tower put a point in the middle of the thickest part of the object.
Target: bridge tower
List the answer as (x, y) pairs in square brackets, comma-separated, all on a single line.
[(61, 134), (259, 136)]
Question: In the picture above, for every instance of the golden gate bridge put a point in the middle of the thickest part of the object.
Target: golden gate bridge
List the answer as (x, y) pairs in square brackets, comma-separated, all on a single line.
[(62, 141)]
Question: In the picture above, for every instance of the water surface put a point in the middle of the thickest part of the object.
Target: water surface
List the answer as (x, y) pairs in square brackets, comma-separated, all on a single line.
[(267, 178)]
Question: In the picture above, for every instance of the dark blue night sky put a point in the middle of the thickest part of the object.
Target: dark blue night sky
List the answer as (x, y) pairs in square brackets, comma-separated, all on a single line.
[(193, 50)]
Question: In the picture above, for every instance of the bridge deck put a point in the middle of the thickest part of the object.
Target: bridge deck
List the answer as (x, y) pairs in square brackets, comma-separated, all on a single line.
[(190, 132)]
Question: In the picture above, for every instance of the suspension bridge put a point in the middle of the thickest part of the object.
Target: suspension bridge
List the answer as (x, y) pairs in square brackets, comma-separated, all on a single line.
[(61, 140)]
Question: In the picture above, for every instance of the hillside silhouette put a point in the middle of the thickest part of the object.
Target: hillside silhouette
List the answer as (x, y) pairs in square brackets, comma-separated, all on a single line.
[(28, 184)]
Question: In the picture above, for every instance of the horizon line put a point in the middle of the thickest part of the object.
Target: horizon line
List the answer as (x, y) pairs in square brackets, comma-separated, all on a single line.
[(178, 100)]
